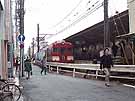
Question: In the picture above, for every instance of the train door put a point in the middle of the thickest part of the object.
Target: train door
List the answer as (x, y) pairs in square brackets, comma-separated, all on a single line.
[(63, 59)]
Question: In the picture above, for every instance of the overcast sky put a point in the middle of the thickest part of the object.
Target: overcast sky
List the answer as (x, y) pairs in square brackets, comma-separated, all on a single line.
[(64, 17)]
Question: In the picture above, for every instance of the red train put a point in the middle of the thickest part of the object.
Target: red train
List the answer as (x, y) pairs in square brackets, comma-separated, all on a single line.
[(60, 52)]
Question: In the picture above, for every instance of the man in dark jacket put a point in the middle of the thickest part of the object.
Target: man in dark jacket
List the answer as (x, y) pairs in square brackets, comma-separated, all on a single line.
[(106, 63)]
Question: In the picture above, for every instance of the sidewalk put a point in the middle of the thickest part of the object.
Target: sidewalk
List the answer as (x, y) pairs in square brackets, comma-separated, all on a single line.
[(53, 87)]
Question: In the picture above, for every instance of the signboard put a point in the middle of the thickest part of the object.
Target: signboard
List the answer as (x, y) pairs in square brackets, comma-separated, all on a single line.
[(21, 45), (21, 37)]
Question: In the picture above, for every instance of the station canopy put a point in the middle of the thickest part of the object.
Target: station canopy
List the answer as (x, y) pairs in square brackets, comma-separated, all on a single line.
[(118, 25)]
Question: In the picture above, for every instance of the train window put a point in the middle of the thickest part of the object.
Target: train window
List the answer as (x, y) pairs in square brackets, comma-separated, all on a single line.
[(68, 50), (56, 50), (62, 50)]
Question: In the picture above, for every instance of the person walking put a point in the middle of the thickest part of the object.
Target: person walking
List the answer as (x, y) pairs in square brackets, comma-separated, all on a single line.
[(28, 67), (17, 64), (43, 66), (106, 63)]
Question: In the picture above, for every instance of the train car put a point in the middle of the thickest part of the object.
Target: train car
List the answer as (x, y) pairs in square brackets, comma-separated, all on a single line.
[(60, 52)]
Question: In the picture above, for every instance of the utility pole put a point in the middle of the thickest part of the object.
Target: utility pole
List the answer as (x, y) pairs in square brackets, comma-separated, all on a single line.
[(11, 50), (16, 21), (22, 32), (29, 51), (38, 38), (33, 43), (106, 25)]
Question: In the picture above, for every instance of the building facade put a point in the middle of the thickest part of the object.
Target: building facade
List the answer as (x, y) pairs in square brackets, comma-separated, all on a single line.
[(5, 36)]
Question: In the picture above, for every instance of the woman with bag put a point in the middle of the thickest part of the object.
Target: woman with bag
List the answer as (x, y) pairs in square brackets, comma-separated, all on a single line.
[(28, 67)]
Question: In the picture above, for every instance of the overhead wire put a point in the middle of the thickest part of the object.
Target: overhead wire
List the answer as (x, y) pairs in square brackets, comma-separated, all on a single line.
[(83, 15), (68, 14), (79, 12), (71, 13), (122, 25), (115, 23)]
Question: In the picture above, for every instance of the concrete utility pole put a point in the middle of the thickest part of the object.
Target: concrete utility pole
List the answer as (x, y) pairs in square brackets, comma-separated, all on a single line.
[(32, 47), (17, 20), (38, 38), (29, 51), (22, 32), (106, 25), (17, 26)]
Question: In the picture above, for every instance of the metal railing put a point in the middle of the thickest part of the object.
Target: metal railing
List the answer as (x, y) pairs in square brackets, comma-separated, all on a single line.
[(92, 67)]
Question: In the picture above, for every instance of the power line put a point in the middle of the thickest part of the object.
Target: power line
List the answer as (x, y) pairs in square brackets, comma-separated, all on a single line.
[(91, 10), (115, 23), (68, 14), (77, 13), (122, 25), (82, 17)]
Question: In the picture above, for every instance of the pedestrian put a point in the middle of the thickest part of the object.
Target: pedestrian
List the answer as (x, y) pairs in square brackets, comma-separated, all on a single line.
[(28, 67), (106, 63), (114, 49), (17, 64), (43, 66)]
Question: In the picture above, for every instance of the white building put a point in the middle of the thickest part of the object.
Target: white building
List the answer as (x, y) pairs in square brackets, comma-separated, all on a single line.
[(5, 36)]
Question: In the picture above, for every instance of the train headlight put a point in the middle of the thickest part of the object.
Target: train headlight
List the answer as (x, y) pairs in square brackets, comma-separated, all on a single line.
[(55, 58), (70, 58)]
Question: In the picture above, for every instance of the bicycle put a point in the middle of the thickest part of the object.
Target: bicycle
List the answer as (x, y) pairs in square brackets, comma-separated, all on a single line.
[(9, 90), (5, 96)]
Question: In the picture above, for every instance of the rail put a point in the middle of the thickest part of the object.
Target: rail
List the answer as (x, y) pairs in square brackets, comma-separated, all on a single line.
[(92, 67)]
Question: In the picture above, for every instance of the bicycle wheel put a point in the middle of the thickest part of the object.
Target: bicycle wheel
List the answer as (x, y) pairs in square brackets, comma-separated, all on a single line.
[(7, 96), (2, 83), (16, 92)]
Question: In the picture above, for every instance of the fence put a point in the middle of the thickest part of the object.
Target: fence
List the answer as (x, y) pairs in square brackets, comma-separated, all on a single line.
[(126, 69)]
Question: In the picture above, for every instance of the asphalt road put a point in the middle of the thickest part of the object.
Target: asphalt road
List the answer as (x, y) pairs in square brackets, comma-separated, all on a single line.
[(53, 87)]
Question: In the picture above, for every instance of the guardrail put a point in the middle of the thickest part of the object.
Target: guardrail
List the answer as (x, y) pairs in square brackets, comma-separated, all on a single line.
[(92, 67)]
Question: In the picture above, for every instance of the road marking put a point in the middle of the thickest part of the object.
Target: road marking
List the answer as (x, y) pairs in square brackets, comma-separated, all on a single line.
[(129, 85)]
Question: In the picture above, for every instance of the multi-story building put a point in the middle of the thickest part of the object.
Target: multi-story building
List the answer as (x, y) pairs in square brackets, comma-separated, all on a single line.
[(5, 36)]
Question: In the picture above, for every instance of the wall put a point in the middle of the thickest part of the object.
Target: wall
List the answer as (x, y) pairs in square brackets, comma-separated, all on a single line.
[(5, 36), (1, 34)]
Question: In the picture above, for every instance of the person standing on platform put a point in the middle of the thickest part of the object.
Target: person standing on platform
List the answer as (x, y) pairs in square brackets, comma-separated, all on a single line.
[(114, 49), (44, 66), (28, 67), (106, 63)]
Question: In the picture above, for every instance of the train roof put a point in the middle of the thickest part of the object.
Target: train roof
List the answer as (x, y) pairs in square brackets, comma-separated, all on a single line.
[(61, 44)]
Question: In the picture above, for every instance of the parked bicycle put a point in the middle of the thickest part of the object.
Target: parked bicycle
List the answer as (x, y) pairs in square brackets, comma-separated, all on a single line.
[(9, 90)]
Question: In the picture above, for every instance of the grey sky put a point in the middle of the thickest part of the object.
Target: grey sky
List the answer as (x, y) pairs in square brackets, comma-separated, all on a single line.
[(48, 13)]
